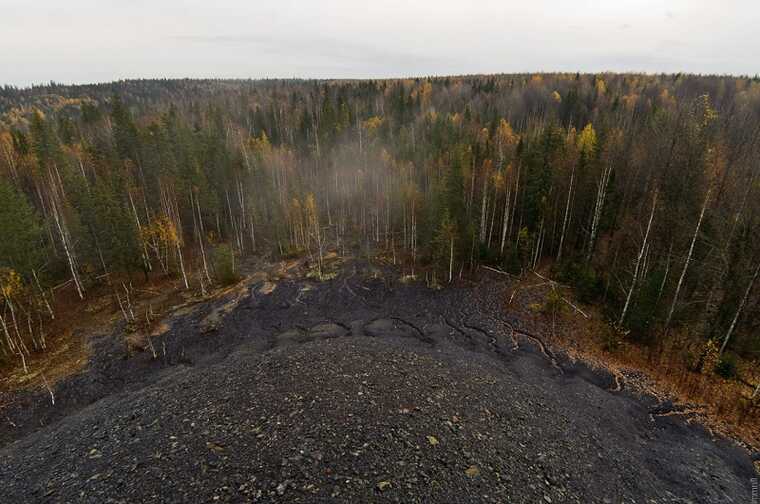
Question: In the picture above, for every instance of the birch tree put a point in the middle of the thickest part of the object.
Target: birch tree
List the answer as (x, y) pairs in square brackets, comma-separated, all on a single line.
[(638, 262), (739, 309), (687, 261)]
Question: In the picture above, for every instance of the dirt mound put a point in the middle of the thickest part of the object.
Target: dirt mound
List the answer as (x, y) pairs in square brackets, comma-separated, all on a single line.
[(356, 390), (362, 420)]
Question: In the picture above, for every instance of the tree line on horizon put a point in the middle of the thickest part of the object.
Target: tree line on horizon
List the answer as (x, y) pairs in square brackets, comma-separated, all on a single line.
[(640, 191)]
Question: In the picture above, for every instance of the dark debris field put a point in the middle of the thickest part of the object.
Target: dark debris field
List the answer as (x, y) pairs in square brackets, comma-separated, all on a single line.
[(357, 389)]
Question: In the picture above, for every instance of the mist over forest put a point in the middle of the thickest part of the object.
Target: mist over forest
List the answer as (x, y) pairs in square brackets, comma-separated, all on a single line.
[(639, 190)]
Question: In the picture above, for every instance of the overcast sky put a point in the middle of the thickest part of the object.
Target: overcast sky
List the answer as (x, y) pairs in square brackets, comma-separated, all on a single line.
[(102, 40)]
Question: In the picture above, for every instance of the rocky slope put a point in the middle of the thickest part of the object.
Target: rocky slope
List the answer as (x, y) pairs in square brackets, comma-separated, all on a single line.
[(357, 390)]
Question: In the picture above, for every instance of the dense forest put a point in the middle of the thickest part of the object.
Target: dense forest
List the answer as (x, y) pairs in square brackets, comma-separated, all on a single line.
[(640, 191)]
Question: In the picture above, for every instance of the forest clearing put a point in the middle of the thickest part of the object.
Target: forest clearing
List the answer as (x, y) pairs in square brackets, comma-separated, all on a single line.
[(437, 371)]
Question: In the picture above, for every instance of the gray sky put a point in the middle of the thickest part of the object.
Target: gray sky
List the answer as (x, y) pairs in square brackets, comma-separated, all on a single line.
[(102, 40)]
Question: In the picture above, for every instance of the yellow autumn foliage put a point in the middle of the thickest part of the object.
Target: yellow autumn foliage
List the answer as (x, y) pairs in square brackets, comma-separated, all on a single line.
[(498, 181), (386, 157), (311, 206), (483, 136), (6, 140), (587, 140), (426, 89), (10, 282), (601, 86), (261, 146), (572, 136), (161, 230), (505, 134), (372, 124), (709, 114), (630, 100)]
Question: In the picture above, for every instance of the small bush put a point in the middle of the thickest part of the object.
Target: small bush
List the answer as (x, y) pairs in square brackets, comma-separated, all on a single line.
[(707, 357), (288, 252), (511, 261), (584, 279), (535, 307), (314, 274), (726, 367), (643, 312), (612, 338), (553, 303), (487, 255), (224, 265)]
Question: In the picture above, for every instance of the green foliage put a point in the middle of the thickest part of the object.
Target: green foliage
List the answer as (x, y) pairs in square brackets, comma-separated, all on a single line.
[(588, 286), (445, 239), (453, 191), (487, 255), (21, 246), (112, 235), (124, 130), (553, 304), (511, 261), (611, 338), (642, 314), (44, 142), (726, 367), (222, 160), (524, 247), (223, 260), (538, 159)]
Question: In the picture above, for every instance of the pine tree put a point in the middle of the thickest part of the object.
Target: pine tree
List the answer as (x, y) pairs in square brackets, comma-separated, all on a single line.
[(21, 244)]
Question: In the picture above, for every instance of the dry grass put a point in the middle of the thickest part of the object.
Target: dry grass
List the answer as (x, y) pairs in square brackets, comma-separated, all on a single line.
[(69, 335), (66, 356), (155, 304), (663, 369)]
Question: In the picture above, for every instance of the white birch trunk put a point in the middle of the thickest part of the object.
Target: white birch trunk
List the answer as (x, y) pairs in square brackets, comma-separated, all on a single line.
[(484, 210), (567, 213), (638, 263), (506, 220), (738, 312), (67, 250), (601, 195), (688, 260), (451, 259)]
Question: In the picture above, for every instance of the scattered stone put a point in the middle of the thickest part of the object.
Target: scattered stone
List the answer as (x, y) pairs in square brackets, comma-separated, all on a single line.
[(384, 485), (472, 471), (214, 447)]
